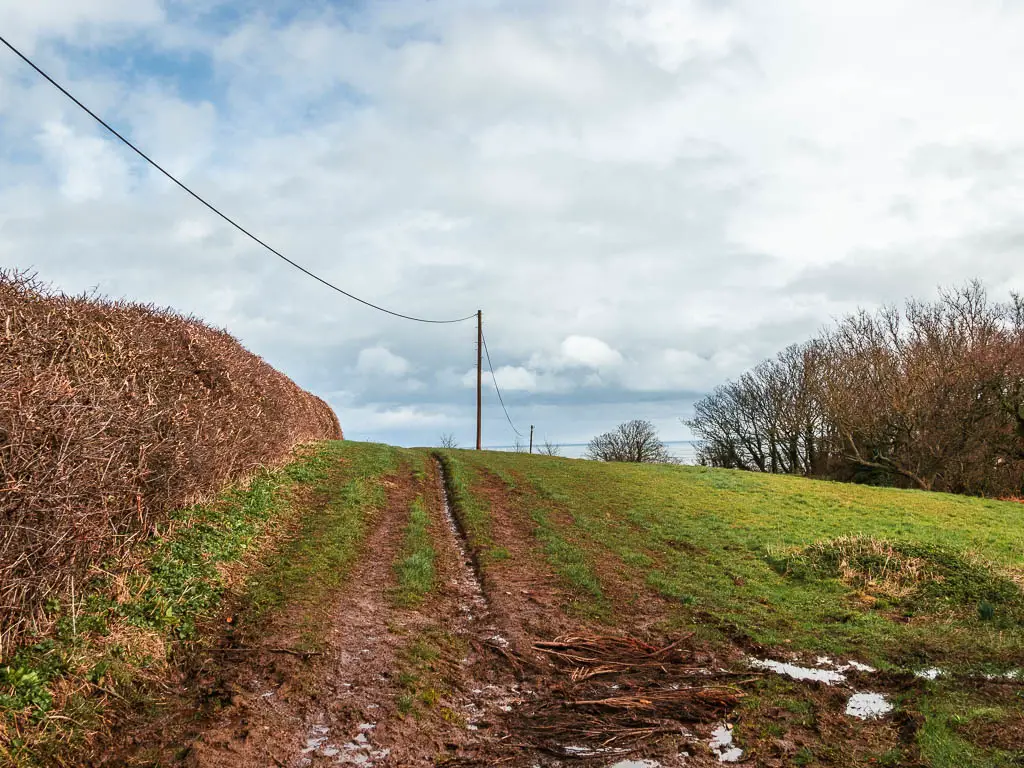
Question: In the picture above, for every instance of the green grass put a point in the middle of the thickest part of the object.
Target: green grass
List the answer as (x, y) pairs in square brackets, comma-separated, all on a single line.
[(415, 566), (899, 579), (946, 713), (570, 562), (750, 554), (422, 673), (181, 583)]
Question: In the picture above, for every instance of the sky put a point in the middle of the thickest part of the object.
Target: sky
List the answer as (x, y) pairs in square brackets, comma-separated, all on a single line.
[(644, 198)]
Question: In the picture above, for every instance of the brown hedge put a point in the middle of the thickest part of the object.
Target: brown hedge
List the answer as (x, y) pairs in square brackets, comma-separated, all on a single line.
[(111, 414)]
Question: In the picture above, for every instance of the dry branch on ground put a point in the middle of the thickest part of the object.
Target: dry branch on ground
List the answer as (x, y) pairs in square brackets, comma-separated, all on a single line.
[(620, 693)]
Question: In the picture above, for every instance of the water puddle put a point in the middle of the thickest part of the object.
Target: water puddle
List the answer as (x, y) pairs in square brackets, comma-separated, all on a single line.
[(796, 672), (359, 751), (573, 751), (868, 706), (636, 764), (928, 674), (1013, 674), (865, 706), (721, 744), (472, 603)]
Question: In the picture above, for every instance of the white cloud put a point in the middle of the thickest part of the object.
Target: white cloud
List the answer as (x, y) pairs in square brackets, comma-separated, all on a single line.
[(379, 360), (589, 352), (26, 21), (90, 167), (510, 378)]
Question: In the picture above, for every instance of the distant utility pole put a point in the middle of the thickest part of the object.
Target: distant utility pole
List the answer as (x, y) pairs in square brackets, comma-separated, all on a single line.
[(479, 370), (531, 438)]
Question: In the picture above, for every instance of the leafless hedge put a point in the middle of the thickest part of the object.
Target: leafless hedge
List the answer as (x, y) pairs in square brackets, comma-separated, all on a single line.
[(110, 415), (930, 396)]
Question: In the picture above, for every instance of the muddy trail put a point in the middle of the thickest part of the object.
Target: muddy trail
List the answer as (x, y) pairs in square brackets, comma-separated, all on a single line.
[(489, 669)]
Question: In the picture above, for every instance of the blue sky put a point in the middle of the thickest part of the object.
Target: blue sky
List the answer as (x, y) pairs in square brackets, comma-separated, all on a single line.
[(645, 198)]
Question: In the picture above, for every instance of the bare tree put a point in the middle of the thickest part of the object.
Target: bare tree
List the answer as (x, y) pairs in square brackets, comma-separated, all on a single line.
[(448, 440), (550, 449), (769, 420), (634, 441), (520, 446), (929, 396)]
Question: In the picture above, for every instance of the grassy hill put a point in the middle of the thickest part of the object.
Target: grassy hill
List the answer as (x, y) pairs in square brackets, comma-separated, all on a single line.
[(726, 567), (781, 567), (899, 576)]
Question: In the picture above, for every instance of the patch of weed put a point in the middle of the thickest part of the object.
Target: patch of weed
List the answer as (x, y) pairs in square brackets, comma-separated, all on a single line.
[(415, 566), (918, 577), (422, 674), (182, 581)]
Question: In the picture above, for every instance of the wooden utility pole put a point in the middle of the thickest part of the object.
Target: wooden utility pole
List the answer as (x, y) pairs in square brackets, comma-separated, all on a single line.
[(479, 370), (531, 438)]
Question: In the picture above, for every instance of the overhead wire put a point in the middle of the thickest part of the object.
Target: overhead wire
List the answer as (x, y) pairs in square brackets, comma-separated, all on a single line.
[(496, 388), (214, 209), (249, 234)]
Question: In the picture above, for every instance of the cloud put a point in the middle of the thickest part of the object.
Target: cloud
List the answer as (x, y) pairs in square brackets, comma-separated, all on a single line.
[(379, 361), (88, 165), (74, 19), (577, 352), (589, 352)]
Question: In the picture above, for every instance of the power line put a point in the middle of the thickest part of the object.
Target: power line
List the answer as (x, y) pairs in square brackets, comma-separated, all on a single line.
[(495, 380), (225, 217)]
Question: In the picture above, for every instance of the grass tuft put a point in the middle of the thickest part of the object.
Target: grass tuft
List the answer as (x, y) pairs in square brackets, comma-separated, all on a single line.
[(415, 567), (917, 577)]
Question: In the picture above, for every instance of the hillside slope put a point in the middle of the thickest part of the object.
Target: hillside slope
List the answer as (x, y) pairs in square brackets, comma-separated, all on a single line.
[(916, 585), (409, 607)]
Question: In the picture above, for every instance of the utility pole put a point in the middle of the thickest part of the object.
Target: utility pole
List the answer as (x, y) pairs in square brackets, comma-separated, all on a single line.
[(531, 438), (479, 370)]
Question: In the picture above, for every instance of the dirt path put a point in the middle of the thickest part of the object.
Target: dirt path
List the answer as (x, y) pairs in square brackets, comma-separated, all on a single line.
[(285, 710), (456, 680), (394, 686)]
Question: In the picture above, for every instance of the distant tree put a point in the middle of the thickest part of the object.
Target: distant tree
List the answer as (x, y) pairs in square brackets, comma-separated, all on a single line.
[(520, 446), (634, 441), (551, 449), (448, 440)]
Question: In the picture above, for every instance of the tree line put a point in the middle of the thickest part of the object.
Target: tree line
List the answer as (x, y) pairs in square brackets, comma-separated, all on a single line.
[(930, 396)]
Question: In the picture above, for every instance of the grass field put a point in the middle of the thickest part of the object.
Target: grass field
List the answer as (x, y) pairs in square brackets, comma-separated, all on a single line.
[(902, 580)]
